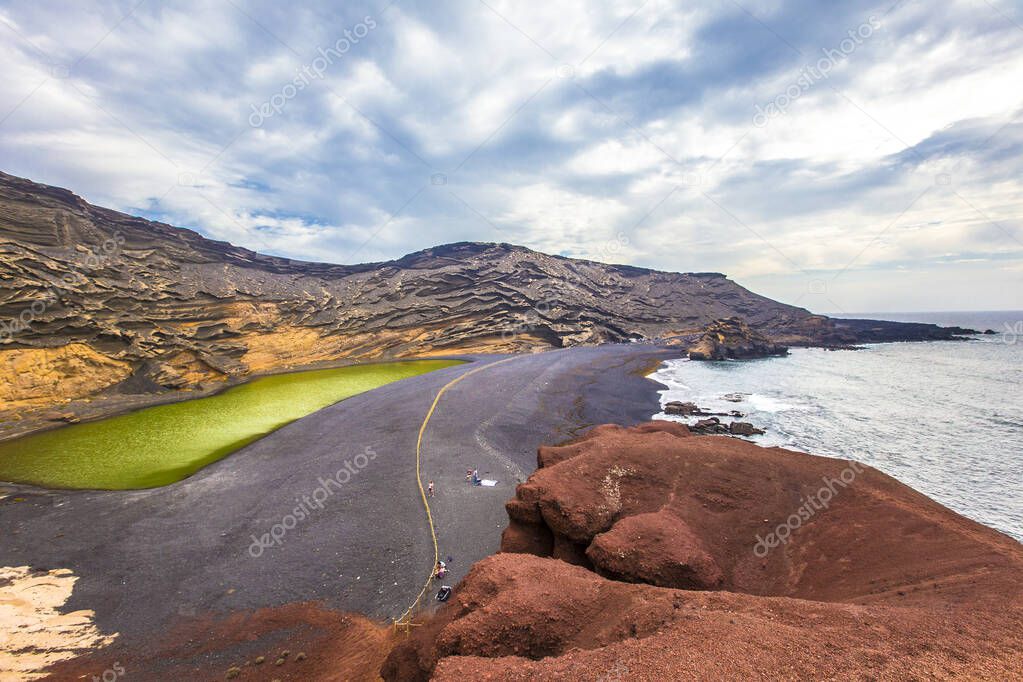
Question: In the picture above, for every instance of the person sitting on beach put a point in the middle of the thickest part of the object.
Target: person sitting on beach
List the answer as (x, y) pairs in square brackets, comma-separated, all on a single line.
[(468, 475), (476, 477), (440, 571)]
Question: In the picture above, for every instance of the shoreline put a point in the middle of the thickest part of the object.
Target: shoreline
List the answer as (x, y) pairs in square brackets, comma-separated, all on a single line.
[(667, 527), (149, 560), (112, 402), (921, 436), (159, 445), (494, 419), (117, 404)]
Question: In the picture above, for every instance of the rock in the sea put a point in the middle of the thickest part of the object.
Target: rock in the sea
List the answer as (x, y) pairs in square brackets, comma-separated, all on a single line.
[(732, 338), (712, 558), (744, 429), (710, 422), (713, 426), (677, 407)]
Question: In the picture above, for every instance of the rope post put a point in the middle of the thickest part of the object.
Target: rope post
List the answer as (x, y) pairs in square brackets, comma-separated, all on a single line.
[(405, 621)]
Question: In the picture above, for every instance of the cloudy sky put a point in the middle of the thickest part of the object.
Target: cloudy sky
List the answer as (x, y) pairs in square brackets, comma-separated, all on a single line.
[(855, 157)]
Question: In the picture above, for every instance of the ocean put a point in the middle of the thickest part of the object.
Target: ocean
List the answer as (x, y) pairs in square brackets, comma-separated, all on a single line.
[(944, 417)]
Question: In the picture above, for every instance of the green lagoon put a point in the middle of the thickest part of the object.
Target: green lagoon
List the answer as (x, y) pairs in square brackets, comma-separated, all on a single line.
[(163, 444)]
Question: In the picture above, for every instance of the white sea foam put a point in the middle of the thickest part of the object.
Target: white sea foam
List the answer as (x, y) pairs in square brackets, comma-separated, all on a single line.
[(868, 405), (765, 403)]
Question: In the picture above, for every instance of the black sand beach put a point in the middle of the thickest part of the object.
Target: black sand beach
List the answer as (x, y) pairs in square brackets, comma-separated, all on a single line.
[(146, 559)]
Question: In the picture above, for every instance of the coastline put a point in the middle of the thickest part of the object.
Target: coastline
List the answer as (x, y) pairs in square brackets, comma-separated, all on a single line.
[(159, 445), (945, 421), (365, 551), (650, 550), (148, 561), (117, 400), (114, 403)]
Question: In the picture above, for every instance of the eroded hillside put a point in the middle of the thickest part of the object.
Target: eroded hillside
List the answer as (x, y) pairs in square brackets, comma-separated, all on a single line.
[(101, 309)]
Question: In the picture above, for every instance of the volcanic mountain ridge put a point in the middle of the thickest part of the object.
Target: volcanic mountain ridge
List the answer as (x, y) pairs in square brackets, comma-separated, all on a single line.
[(101, 311)]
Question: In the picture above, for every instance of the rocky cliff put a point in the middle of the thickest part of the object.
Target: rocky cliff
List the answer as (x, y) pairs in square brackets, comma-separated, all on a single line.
[(650, 554), (732, 339), (99, 309)]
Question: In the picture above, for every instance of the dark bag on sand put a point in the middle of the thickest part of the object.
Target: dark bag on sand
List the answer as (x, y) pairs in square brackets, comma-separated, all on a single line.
[(444, 593)]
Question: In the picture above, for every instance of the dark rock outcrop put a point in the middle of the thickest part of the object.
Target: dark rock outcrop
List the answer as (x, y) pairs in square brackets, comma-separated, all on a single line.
[(677, 407), (743, 429), (733, 339), (710, 425), (687, 409)]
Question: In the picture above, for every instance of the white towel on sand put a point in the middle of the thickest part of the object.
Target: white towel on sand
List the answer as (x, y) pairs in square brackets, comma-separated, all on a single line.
[(488, 482)]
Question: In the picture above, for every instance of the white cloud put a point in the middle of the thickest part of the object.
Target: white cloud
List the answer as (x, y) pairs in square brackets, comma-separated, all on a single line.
[(667, 153)]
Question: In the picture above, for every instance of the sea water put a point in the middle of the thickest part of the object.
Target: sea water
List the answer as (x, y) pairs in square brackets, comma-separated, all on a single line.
[(944, 417)]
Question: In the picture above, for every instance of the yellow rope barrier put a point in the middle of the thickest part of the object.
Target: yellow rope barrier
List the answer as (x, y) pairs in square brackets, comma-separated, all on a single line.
[(405, 618)]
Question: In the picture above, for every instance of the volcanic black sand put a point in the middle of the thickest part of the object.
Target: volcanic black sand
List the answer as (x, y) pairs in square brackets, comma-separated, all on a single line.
[(150, 559)]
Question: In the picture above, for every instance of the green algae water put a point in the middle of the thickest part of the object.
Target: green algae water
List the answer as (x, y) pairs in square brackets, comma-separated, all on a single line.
[(159, 445)]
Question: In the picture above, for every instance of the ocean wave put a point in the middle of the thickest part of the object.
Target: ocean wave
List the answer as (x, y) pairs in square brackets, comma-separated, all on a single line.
[(946, 419)]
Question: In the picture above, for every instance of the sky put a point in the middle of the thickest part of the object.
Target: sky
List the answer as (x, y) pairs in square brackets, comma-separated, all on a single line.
[(843, 157)]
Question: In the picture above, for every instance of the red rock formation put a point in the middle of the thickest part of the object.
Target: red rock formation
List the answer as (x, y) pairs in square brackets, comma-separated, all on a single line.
[(678, 578), (311, 641)]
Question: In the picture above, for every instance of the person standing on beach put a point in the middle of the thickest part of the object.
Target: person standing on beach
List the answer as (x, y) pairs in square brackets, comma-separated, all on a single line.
[(429, 489)]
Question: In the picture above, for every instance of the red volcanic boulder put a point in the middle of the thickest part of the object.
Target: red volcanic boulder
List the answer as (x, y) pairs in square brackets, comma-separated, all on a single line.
[(771, 521), (658, 549), (513, 605), (710, 557)]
